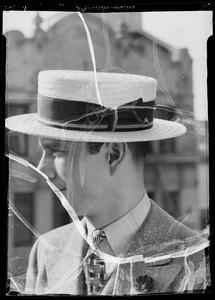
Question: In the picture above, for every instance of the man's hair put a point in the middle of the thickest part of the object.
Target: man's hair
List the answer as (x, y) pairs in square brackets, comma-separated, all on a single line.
[(138, 150)]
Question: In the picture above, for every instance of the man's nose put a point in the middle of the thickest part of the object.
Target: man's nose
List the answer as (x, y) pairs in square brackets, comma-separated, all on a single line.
[(46, 166)]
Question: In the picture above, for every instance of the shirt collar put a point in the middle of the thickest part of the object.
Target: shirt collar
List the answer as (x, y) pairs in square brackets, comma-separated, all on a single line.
[(122, 231)]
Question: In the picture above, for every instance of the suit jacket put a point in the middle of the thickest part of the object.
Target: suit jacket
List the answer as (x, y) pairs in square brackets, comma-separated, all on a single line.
[(55, 263)]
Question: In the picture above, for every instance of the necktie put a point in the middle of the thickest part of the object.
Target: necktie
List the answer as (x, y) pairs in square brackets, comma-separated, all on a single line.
[(94, 266)]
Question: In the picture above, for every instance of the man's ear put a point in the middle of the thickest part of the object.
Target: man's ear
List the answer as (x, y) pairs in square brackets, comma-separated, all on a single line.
[(116, 153)]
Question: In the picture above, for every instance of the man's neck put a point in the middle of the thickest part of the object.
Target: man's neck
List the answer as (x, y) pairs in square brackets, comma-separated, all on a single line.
[(121, 232), (124, 203)]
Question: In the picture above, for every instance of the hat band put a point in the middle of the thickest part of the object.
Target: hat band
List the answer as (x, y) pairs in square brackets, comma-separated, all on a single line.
[(85, 116)]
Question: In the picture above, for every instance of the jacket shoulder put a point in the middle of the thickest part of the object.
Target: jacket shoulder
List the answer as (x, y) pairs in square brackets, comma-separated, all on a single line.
[(59, 238), (161, 234)]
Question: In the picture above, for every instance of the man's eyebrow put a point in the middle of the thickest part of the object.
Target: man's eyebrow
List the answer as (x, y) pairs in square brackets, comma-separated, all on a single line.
[(52, 144)]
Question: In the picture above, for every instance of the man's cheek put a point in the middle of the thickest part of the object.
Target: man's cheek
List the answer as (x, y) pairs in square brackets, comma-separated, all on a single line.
[(68, 173)]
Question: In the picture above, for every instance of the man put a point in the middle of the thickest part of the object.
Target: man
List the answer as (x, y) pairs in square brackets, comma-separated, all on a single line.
[(94, 134)]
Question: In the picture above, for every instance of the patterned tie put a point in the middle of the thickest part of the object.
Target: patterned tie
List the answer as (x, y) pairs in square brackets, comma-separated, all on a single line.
[(94, 266)]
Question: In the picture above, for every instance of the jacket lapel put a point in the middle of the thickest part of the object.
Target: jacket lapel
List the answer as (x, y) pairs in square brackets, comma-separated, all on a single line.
[(78, 287), (66, 271)]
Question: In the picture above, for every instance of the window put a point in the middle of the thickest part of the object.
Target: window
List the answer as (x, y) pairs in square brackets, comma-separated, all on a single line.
[(167, 146), (162, 147), (153, 147), (61, 216), (170, 203), (17, 109), (150, 148), (18, 142), (24, 205), (204, 218), (165, 112)]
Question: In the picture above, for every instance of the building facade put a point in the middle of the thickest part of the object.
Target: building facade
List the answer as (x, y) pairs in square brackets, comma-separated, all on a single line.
[(119, 43)]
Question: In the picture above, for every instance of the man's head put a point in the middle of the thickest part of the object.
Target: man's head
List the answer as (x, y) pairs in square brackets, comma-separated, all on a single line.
[(95, 177)]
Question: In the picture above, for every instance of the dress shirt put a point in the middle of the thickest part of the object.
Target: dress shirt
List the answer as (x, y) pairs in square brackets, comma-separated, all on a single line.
[(121, 232)]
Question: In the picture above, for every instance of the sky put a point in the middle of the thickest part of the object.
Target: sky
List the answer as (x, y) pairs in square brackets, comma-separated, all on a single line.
[(179, 29), (186, 30)]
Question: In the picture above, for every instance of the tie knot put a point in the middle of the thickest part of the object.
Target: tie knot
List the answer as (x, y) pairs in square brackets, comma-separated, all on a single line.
[(98, 236)]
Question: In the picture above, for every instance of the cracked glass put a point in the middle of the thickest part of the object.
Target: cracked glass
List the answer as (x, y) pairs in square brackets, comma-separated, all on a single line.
[(160, 258)]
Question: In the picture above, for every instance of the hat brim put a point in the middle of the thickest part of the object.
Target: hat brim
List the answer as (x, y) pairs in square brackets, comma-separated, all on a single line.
[(28, 124)]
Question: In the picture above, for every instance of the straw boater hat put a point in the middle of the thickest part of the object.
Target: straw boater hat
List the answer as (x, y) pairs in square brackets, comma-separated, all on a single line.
[(96, 107)]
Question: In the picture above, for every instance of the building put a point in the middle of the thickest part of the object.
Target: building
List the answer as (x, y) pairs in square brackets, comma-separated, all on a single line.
[(172, 177)]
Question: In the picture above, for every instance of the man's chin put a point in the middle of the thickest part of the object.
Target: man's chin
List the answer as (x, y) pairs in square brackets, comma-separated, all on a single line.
[(72, 203), (75, 205)]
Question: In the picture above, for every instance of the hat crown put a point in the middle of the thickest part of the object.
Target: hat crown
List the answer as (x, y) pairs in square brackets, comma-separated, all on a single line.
[(114, 89)]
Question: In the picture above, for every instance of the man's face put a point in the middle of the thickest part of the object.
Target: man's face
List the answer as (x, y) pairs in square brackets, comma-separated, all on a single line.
[(80, 176)]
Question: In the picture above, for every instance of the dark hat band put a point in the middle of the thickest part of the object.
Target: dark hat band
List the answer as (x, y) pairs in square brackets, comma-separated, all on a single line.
[(84, 116)]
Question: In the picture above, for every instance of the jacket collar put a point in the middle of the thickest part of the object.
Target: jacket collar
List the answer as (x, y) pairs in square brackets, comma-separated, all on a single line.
[(155, 232)]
